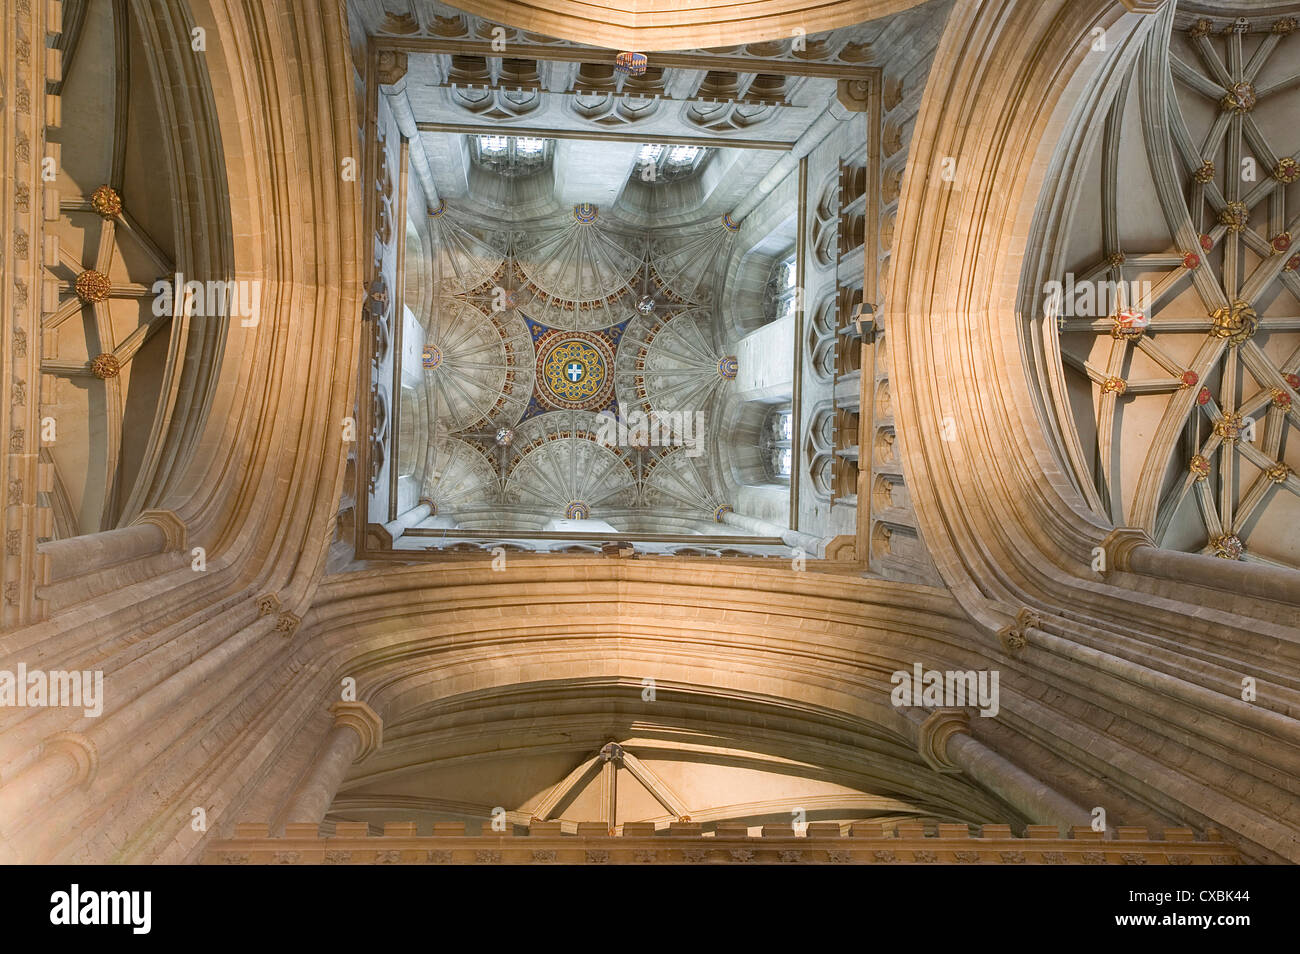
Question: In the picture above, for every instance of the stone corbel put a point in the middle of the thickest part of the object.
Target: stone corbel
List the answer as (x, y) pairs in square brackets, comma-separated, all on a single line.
[(934, 733), (286, 624), (1016, 636)]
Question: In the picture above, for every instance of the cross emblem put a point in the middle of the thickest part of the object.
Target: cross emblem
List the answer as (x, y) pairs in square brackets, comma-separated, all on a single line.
[(574, 371)]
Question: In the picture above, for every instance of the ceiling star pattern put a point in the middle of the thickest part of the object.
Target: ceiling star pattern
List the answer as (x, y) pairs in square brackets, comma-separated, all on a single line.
[(1180, 406)]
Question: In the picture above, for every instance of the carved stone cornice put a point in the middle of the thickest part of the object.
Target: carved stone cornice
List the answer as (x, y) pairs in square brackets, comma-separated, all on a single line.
[(364, 721), (866, 844), (934, 733)]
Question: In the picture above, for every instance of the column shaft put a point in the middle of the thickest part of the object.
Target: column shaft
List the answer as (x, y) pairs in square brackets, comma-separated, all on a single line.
[(312, 799)]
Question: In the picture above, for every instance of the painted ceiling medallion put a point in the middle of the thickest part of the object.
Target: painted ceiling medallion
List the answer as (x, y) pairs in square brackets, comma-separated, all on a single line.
[(720, 513), (1129, 324), (574, 371), (577, 510), (728, 367), (1281, 242), (1227, 546), (504, 436), (730, 224), (440, 211), (105, 366), (1240, 98), (1236, 322), (1287, 170), (106, 202), (585, 213), (1191, 260), (631, 64), (1229, 427), (1190, 379), (431, 356), (1235, 216), (92, 286)]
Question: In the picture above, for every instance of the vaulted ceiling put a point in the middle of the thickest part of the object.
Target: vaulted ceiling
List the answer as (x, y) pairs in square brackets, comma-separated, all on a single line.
[(1171, 358)]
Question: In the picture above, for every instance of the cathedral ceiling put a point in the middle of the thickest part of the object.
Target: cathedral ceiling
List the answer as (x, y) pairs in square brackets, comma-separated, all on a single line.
[(1175, 378), (111, 358), (584, 291)]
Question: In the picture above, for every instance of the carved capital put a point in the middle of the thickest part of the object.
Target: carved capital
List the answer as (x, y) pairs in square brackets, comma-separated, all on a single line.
[(853, 94), (81, 750), (843, 547), (173, 530), (286, 624), (364, 721), (1120, 543), (392, 67), (934, 733)]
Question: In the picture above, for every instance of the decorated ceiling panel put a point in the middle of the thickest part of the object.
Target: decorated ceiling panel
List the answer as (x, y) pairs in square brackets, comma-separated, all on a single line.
[(1173, 317)]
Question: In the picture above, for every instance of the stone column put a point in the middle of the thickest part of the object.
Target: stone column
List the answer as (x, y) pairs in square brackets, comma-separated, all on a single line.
[(762, 528), (154, 532), (945, 742), (357, 732), (789, 161), (410, 518), (1130, 549)]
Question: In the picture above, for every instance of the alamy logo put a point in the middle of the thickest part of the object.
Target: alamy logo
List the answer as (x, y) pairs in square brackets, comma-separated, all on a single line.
[(36, 688), (1089, 299), (946, 688), (102, 907), (195, 299), (638, 429)]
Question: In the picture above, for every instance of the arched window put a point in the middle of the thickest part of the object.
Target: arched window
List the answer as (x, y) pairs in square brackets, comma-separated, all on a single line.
[(778, 430), (782, 293), (657, 162), (511, 155)]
